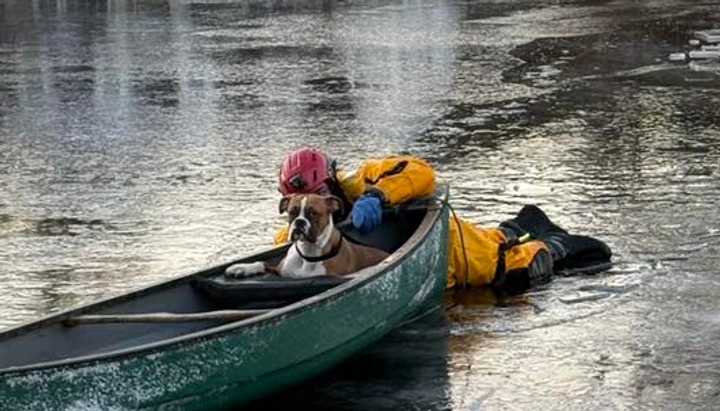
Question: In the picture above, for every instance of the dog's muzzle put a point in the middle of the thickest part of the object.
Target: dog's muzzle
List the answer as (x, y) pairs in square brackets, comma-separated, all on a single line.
[(300, 229)]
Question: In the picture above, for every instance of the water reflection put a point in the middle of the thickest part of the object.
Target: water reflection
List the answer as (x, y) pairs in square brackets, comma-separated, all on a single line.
[(383, 376)]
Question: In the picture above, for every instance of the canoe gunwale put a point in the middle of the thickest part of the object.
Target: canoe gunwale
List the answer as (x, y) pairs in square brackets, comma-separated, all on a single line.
[(361, 278)]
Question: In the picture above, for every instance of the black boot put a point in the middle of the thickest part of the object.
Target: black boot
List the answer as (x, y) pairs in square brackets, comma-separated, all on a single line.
[(531, 220), (569, 253), (578, 254)]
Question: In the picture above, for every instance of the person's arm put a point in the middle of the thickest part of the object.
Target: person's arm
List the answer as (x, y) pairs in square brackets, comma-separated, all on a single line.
[(396, 179), (388, 181)]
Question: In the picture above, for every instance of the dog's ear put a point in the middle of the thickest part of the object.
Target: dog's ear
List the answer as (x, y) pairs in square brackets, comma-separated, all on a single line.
[(283, 206), (334, 204)]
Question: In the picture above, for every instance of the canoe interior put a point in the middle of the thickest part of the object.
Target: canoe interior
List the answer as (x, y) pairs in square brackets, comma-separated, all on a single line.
[(48, 340)]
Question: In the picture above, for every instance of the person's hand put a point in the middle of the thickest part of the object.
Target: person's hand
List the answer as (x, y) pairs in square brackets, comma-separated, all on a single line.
[(367, 213)]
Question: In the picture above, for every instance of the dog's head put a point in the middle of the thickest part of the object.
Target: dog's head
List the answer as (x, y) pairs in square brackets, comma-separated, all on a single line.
[(309, 214)]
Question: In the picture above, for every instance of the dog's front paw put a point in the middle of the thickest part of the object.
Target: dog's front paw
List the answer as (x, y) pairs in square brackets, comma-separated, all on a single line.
[(245, 270)]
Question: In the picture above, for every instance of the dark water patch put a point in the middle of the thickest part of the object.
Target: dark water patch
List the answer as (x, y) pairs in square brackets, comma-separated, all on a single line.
[(72, 85), (223, 84), (243, 26), (79, 68), (224, 39), (74, 89), (8, 68), (470, 53), (333, 85), (229, 13), (30, 71), (483, 10), (215, 7), (67, 226), (8, 87), (49, 9), (57, 272), (704, 171), (50, 227), (153, 87), (694, 112), (641, 43), (162, 92), (466, 125), (674, 28), (543, 54), (4, 64), (244, 101), (501, 119), (195, 178), (292, 53), (151, 9), (675, 76), (683, 146), (342, 106), (260, 8)]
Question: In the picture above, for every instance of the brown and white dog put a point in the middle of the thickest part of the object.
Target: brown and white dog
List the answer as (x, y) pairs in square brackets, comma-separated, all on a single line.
[(319, 248)]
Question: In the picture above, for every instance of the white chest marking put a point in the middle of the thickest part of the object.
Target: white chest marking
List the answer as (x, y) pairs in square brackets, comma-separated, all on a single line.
[(294, 266)]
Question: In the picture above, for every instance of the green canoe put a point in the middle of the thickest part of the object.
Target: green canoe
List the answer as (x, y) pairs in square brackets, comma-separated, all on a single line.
[(284, 331)]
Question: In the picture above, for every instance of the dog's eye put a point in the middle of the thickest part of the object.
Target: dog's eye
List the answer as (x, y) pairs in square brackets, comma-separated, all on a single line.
[(311, 213), (294, 212)]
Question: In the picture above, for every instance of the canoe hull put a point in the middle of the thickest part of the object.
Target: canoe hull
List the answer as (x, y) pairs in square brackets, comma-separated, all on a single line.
[(242, 361)]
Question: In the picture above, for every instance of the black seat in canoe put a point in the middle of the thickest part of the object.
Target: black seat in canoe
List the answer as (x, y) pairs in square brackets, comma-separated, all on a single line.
[(265, 291)]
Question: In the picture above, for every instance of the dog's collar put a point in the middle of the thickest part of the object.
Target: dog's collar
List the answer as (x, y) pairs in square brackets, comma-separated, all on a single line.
[(333, 252)]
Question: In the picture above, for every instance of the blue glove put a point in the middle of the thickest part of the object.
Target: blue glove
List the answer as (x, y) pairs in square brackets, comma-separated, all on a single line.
[(367, 213)]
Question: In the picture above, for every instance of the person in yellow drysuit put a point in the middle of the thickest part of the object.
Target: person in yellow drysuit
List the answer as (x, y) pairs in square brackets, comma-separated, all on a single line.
[(491, 256)]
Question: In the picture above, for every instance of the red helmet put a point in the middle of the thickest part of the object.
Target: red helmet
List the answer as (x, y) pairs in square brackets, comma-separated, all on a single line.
[(305, 170)]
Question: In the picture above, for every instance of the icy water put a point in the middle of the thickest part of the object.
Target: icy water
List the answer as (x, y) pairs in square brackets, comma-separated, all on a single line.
[(141, 139)]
